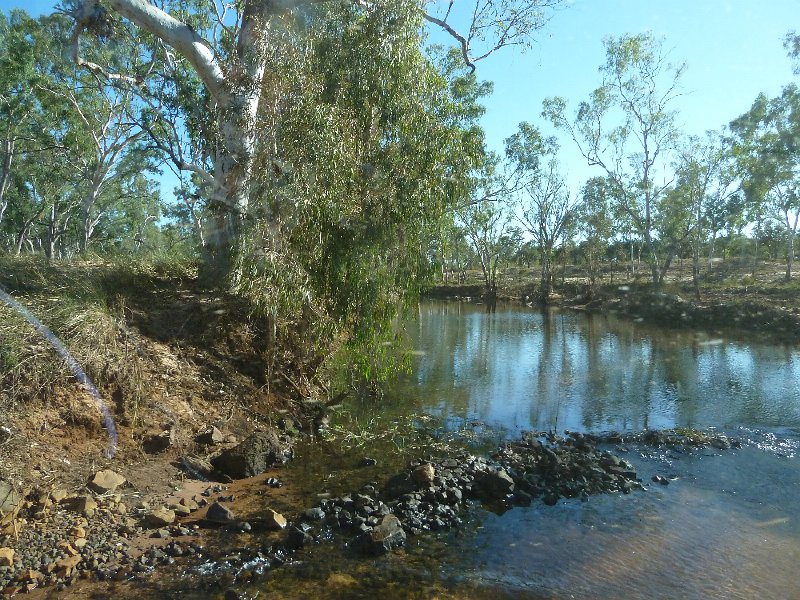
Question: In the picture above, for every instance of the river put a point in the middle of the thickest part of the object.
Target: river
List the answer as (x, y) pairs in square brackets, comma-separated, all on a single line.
[(726, 526)]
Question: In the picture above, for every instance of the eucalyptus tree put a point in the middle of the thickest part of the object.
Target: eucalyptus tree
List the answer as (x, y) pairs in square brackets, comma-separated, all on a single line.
[(213, 62), (546, 209), (768, 155), (18, 104), (628, 129), (595, 224)]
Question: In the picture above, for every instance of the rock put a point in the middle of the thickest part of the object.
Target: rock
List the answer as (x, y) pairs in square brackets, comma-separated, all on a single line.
[(315, 514), (274, 520), (189, 503), (58, 495), (6, 557), (219, 513), (211, 437), (9, 497), (78, 532), (423, 475), (160, 517), (253, 456), (298, 537), (660, 479), (398, 485), (386, 536), (367, 462), (82, 504), (494, 485), (180, 510), (159, 442), (106, 481)]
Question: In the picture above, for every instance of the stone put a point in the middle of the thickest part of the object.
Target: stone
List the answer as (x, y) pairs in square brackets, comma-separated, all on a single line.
[(58, 495), (367, 461), (83, 504), (423, 475), (80, 543), (78, 532), (254, 455), (297, 538), (315, 514), (160, 517), (211, 437), (6, 557), (219, 513), (106, 481), (494, 485), (386, 536), (274, 520), (189, 503), (180, 509), (10, 498), (65, 566), (159, 442), (29, 575)]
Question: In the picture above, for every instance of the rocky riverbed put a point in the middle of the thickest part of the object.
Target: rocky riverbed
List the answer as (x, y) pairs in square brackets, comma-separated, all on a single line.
[(106, 531)]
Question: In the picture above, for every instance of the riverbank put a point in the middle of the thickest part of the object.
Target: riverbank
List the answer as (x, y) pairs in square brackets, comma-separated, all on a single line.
[(182, 371), (730, 300)]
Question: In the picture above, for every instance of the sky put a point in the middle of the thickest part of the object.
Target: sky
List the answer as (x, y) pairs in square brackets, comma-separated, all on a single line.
[(733, 50)]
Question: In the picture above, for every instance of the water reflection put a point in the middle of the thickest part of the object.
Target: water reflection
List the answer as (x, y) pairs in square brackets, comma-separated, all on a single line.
[(523, 369)]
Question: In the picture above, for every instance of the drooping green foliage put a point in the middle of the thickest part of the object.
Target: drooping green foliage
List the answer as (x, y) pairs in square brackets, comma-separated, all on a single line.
[(373, 145)]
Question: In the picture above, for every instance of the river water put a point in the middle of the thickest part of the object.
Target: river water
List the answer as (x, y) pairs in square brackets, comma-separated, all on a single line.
[(728, 524)]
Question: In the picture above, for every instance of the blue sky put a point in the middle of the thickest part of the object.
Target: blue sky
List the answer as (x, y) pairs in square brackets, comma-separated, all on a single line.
[(733, 49)]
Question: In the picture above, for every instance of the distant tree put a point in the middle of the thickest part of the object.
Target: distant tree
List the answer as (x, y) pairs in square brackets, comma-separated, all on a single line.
[(628, 129), (595, 224), (546, 210), (768, 155)]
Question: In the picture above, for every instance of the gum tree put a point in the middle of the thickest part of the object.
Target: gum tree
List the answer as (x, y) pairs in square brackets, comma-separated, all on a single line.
[(212, 62), (628, 129)]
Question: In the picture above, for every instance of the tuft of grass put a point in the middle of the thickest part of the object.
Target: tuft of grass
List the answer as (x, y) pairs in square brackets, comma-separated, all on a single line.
[(83, 303)]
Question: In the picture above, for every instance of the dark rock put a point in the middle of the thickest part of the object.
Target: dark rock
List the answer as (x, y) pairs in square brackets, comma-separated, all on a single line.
[(550, 499), (386, 536), (494, 485), (367, 462), (159, 442), (660, 479), (254, 455), (298, 537), (219, 513), (399, 485)]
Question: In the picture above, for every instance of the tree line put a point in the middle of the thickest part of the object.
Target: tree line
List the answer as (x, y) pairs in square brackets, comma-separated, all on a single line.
[(658, 194), (328, 158)]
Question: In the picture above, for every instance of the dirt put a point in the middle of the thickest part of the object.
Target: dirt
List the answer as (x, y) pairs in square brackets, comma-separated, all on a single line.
[(200, 360)]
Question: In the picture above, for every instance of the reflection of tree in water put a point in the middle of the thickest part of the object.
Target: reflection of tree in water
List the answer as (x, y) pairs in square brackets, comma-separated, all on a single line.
[(523, 369)]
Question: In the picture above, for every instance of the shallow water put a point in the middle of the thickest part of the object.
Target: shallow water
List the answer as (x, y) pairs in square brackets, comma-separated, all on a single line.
[(726, 526)]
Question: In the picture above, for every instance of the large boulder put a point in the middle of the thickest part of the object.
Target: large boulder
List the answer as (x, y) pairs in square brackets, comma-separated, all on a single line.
[(253, 456)]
